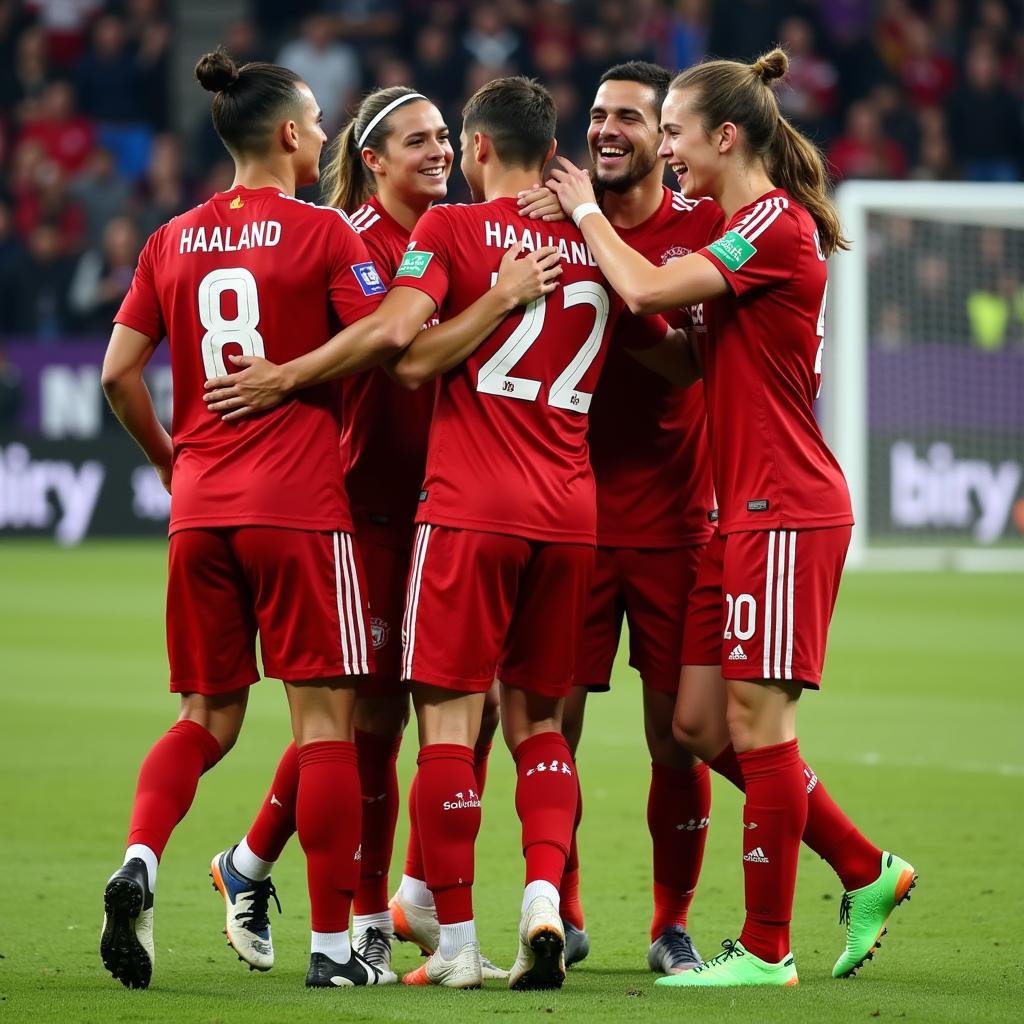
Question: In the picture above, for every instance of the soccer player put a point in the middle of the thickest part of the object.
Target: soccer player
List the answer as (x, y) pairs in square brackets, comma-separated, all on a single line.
[(388, 166), (260, 531), (654, 495), (504, 550), (766, 587)]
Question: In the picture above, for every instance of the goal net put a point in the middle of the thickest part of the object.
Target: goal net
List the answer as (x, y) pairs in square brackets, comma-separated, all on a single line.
[(923, 397)]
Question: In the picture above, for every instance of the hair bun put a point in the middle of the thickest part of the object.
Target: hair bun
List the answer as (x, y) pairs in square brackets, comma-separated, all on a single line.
[(216, 71), (772, 65)]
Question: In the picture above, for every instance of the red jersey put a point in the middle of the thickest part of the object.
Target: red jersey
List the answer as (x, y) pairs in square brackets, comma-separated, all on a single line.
[(762, 370), (647, 441), (508, 447), (384, 426), (256, 272)]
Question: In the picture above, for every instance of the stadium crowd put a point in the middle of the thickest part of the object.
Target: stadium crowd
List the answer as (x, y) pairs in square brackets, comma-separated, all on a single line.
[(92, 160)]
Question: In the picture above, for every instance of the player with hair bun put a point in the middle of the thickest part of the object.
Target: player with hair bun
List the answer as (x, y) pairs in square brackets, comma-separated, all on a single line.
[(260, 530), (384, 171), (759, 613)]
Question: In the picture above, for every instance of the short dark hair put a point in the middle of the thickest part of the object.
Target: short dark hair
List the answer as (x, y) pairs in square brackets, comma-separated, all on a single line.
[(248, 100), (652, 75), (518, 115)]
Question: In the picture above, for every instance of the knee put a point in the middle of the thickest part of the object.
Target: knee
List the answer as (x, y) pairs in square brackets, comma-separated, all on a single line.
[(687, 729)]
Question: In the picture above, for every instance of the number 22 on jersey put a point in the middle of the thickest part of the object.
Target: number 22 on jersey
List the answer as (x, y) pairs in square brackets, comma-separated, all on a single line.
[(494, 377), (241, 330)]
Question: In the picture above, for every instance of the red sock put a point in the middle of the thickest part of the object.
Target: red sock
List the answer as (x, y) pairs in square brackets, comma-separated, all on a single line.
[(378, 781), (569, 905), (834, 838), (167, 782), (546, 796), (481, 753), (327, 815), (829, 832), (275, 823), (678, 810), (774, 816), (414, 850), (448, 814)]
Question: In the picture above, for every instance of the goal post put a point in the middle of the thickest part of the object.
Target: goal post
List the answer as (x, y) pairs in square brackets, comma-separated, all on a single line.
[(923, 397)]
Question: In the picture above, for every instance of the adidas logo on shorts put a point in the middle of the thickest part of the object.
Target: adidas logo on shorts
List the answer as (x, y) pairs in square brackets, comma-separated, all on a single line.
[(756, 856), (737, 654)]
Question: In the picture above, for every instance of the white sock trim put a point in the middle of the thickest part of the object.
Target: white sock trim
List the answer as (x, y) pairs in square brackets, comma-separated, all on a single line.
[(540, 888), (246, 863), (148, 857), (381, 920), (336, 945), (415, 891), (455, 936)]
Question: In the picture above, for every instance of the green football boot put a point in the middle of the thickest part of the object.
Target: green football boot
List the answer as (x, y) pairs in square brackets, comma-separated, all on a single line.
[(734, 966), (865, 912)]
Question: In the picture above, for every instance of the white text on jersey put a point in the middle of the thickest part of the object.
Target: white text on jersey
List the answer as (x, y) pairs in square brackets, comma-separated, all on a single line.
[(504, 236), (260, 233)]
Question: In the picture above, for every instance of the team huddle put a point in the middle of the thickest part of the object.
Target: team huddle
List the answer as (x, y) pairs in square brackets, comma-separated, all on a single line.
[(577, 400)]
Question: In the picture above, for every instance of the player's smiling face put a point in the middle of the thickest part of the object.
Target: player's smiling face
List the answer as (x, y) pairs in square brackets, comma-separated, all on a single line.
[(692, 154), (310, 136), (623, 134), (417, 156)]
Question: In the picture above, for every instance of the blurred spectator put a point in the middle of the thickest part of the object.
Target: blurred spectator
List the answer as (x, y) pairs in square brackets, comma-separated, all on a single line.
[(65, 136), (101, 192), (150, 36), (44, 200), (927, 75), (742, 29), (863, 151), (490, 41), (11, 393), (985, 120), (436, 72), (43, 282), (899, 120), (31, 73), (112, 89), (328, 67), (65, 23), (242, 41), (164, 191), (365, 20), (103, 276), (12, 254), (809, 94), (688, 35)]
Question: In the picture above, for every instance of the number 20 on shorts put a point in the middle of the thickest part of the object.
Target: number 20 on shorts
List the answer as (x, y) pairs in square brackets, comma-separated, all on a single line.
[(740, 616)]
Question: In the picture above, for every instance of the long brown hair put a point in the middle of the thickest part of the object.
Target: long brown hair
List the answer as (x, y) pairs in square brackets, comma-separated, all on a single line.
[(347, 181), (742, 93)]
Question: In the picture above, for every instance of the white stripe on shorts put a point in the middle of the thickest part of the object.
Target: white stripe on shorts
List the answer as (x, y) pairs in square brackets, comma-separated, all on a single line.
[(780, 574), (360, 647), (789, 604), (412, 598), (340, 597)]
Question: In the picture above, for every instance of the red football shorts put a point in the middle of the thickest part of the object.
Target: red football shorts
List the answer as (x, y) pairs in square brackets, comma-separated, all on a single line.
[(650, 589), (303, 592), (386, 552), (481, 605), (763, 601)]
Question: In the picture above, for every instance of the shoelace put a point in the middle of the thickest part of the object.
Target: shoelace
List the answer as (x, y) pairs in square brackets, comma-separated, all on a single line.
[(729, 950), (680, 949), (844, 909), (257, 918), (375, 947), (487, 965)]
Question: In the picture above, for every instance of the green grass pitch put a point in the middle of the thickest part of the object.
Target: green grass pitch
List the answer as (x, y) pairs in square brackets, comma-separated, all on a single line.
[(917, 733)]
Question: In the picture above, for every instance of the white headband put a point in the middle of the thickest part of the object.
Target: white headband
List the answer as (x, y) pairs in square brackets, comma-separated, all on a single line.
[(384, 113)]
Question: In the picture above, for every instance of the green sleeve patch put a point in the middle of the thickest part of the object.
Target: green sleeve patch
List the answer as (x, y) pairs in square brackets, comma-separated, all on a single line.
[(414, 264), (732, 249)]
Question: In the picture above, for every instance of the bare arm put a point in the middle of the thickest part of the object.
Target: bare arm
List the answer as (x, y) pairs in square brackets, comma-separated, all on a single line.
[(674, 359), (439, 348), (260, 384), (644, 288), (127, 355)]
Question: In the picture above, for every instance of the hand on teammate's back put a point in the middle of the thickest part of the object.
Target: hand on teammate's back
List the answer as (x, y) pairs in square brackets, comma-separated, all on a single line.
[(571, 184), (528, 278), (257, 385), (540, 203)]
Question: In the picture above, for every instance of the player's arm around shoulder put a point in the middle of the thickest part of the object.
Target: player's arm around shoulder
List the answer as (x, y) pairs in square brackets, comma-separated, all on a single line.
[(437, 349)]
